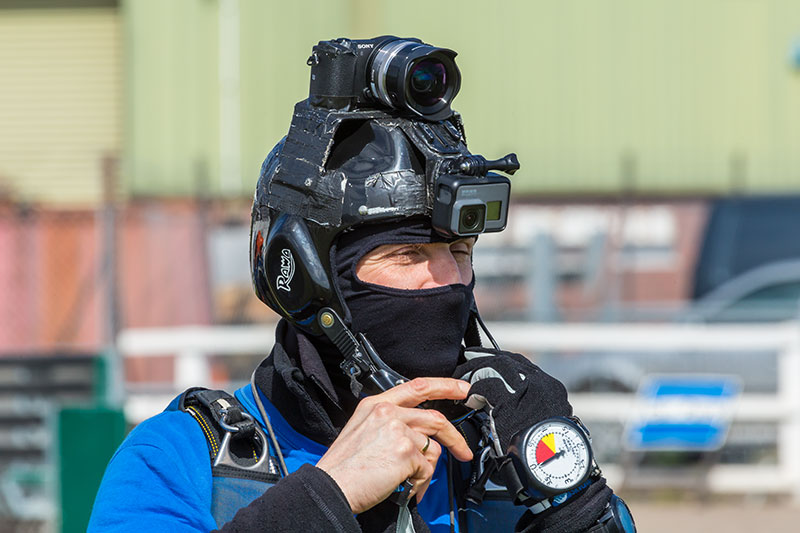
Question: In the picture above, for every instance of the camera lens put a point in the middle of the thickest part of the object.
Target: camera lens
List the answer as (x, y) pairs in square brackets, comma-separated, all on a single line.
[(471, 219), (412, 76), (427, 82)]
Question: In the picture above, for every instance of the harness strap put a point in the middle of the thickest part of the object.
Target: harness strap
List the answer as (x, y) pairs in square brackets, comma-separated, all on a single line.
[(229, 429), (235, 441)]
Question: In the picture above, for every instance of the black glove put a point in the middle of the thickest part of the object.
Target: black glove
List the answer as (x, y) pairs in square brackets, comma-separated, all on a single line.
[(520, 395)]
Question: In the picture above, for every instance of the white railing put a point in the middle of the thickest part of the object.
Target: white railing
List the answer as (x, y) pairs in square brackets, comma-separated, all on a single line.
[(193, 345), (783, 407)]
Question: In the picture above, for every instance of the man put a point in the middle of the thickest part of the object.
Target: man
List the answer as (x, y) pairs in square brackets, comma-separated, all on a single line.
[(377, 307)]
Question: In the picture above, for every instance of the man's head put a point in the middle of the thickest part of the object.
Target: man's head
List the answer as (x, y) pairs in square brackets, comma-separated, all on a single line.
[(361, 170), (368, 213), (365, 247)]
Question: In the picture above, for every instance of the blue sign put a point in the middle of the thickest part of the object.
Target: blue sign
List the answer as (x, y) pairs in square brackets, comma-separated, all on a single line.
[(682, 412)]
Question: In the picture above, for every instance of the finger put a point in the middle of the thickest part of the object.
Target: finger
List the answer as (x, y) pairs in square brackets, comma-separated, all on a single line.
[(422, 476), (416, 391), (421, 467), (419, 492), (420, 440), (432, 455), (433, 452), (413, 393), (435, 425), (427, 447)]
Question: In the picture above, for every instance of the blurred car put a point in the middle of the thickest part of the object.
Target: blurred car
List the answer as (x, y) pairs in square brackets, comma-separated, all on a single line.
[(748, 271), (770, 293), (743, 234)]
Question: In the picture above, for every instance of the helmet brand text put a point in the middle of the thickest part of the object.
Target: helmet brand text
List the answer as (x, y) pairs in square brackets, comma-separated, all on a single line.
[(287, 270)]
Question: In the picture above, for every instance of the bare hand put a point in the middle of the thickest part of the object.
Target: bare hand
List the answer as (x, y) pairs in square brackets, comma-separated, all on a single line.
[(381, 445)]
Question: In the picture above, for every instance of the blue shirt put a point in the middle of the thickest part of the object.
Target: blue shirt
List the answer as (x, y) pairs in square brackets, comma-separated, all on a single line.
[(160, 477)]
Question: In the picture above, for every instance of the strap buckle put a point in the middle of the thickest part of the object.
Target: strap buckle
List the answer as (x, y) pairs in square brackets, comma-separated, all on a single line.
[(240, 429)]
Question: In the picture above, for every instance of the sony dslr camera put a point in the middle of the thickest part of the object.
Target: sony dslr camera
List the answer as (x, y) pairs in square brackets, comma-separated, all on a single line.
[(404, 74)]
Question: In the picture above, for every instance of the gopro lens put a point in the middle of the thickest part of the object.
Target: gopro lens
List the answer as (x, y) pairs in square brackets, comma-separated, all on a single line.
[(471, 219)]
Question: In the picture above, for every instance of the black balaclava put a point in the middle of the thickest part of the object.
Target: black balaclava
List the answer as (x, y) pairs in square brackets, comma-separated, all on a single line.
[(416, 332)]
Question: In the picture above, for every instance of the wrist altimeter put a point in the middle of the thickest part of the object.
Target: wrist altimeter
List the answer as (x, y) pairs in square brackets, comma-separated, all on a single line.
[(552, 457)]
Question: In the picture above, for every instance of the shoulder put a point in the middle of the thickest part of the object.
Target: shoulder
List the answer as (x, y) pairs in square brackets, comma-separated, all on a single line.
[(164, 464), (167, 431), (172, 439)]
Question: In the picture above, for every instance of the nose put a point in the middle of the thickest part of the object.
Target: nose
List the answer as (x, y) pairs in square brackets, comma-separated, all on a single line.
[(445, 269)]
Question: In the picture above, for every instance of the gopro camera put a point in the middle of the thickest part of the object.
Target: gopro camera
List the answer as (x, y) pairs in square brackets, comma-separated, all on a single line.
[(403, 74), (469, 200), (464, 206)]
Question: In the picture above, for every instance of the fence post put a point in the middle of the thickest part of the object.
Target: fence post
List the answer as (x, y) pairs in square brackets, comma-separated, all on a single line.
[(542, 279), (789, 393), (192, 369)]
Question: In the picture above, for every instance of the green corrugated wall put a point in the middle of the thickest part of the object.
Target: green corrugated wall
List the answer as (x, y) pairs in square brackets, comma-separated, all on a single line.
[(60, 99), (657, 96)]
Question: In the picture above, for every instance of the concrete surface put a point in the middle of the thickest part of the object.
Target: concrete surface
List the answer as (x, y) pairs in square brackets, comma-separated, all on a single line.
[(744, 517)]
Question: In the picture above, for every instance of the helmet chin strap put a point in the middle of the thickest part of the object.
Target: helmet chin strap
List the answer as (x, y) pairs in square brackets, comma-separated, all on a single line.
[(362, 364), (476, 316), (368, 373)]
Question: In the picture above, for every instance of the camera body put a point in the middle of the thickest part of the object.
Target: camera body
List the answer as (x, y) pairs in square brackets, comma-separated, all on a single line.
[(404, 74), (464, 206)]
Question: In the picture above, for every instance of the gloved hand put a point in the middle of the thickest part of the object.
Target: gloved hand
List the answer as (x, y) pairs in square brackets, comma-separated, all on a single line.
[(519, 392)]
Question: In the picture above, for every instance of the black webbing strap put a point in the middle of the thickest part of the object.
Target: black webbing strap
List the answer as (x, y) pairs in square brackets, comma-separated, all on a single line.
[(213, 408)]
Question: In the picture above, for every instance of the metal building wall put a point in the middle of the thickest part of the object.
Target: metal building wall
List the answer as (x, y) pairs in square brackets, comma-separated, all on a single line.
[(60, 99), (171, 100), (193, 127), (675, 97)]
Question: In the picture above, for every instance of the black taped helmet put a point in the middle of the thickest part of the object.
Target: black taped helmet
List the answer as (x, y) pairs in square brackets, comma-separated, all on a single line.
[(335, 170)]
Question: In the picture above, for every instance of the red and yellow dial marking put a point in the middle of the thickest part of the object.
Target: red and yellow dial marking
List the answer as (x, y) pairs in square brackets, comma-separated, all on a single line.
[(546, 448)]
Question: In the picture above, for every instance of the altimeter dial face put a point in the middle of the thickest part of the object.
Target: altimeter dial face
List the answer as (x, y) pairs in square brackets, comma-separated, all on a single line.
[(558, 454)]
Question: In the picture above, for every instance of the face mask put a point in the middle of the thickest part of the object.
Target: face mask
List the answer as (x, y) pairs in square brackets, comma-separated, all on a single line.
[(416, 332)]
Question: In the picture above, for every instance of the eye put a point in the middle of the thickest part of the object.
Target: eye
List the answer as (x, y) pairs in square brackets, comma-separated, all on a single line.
[(407, 250), (463, 247), (405, 253)]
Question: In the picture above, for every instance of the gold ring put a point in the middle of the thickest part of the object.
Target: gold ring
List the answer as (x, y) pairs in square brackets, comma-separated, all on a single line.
[(427, 443)]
